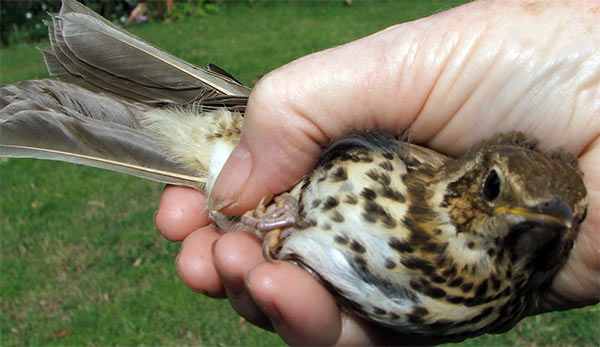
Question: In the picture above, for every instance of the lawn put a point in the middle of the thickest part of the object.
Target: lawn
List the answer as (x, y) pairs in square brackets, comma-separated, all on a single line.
[(81, 261)]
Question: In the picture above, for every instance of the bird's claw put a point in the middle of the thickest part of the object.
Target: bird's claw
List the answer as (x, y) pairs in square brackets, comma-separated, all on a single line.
[(269, 220)]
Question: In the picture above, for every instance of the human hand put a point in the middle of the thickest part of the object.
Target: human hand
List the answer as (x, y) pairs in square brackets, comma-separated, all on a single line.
[(451, 80)]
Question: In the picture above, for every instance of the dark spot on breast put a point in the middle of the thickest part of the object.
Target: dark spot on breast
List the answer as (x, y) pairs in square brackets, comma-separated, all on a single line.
[(326, 226), (467, 287), (470, 302), (456, 282), (379, 311), (303, 224), (434, 292), (389, 264), (337, 217), (387, 287), (384, 179), (403, 247), (495, 283), (341, 239), (481, 288), (415, 285), (418, 264), (373, 174), (437, 278), (392, 194), (432, 247), (490, 298), (330, 203), (369, 217), (374, 211), (442, 260), (455, 299), (339, 174), (366, 159), (368, 194), (315, 203), (413, 318), (419, 310), (471, 245), (388, 155), (361, 263), (491, 252), (487, 311), (388, 221), (345, 157), (305, 182), (418, 236), (394, 316), (450, 272), (357, 247), (351, 199), (387, 165)]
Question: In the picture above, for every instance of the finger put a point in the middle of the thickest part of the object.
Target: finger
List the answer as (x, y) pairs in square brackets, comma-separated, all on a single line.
[(234, 254), (181, 211), (301, 310), (195, 265)]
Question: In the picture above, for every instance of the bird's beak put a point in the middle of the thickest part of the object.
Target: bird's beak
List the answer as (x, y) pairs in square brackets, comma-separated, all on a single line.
[(555, 212)]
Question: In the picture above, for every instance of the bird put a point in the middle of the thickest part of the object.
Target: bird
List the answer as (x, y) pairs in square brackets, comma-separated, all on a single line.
[(401, 235)]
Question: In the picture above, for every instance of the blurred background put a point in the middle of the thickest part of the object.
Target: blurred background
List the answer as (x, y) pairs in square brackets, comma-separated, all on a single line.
[(81, 260)]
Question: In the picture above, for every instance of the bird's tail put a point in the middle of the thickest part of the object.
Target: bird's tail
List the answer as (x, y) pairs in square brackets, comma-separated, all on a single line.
[(122, 104)]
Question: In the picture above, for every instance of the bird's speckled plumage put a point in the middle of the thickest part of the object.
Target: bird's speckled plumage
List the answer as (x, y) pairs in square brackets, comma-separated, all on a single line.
[(401, 235)]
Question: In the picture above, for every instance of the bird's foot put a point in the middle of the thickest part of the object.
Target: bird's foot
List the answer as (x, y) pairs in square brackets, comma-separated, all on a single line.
[(269, 220)]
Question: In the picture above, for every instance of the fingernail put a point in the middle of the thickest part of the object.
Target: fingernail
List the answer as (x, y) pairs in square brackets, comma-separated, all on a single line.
[(231, 179)]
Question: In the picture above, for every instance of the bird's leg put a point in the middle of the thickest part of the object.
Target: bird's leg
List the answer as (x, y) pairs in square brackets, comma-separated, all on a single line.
[(269, 220)]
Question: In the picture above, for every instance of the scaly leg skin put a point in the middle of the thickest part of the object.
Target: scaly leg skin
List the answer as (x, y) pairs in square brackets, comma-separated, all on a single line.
[(270, 221)]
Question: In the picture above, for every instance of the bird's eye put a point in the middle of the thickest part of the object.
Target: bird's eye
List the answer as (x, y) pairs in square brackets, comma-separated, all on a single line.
[(491, 187)]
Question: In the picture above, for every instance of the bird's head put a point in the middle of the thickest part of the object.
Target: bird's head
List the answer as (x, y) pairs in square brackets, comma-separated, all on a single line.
[(524, 205)]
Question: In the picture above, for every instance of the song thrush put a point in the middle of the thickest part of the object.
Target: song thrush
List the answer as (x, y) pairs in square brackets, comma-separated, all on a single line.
[(401, 235)]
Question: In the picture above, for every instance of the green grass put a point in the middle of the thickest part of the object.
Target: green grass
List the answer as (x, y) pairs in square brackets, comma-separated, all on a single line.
[(81, 261)]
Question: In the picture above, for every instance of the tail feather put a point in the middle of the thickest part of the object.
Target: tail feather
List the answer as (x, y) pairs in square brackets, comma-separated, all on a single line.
[(91, 48), (58, 121)]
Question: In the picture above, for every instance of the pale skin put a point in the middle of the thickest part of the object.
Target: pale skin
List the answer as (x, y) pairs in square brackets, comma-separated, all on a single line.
[(451, 80)]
